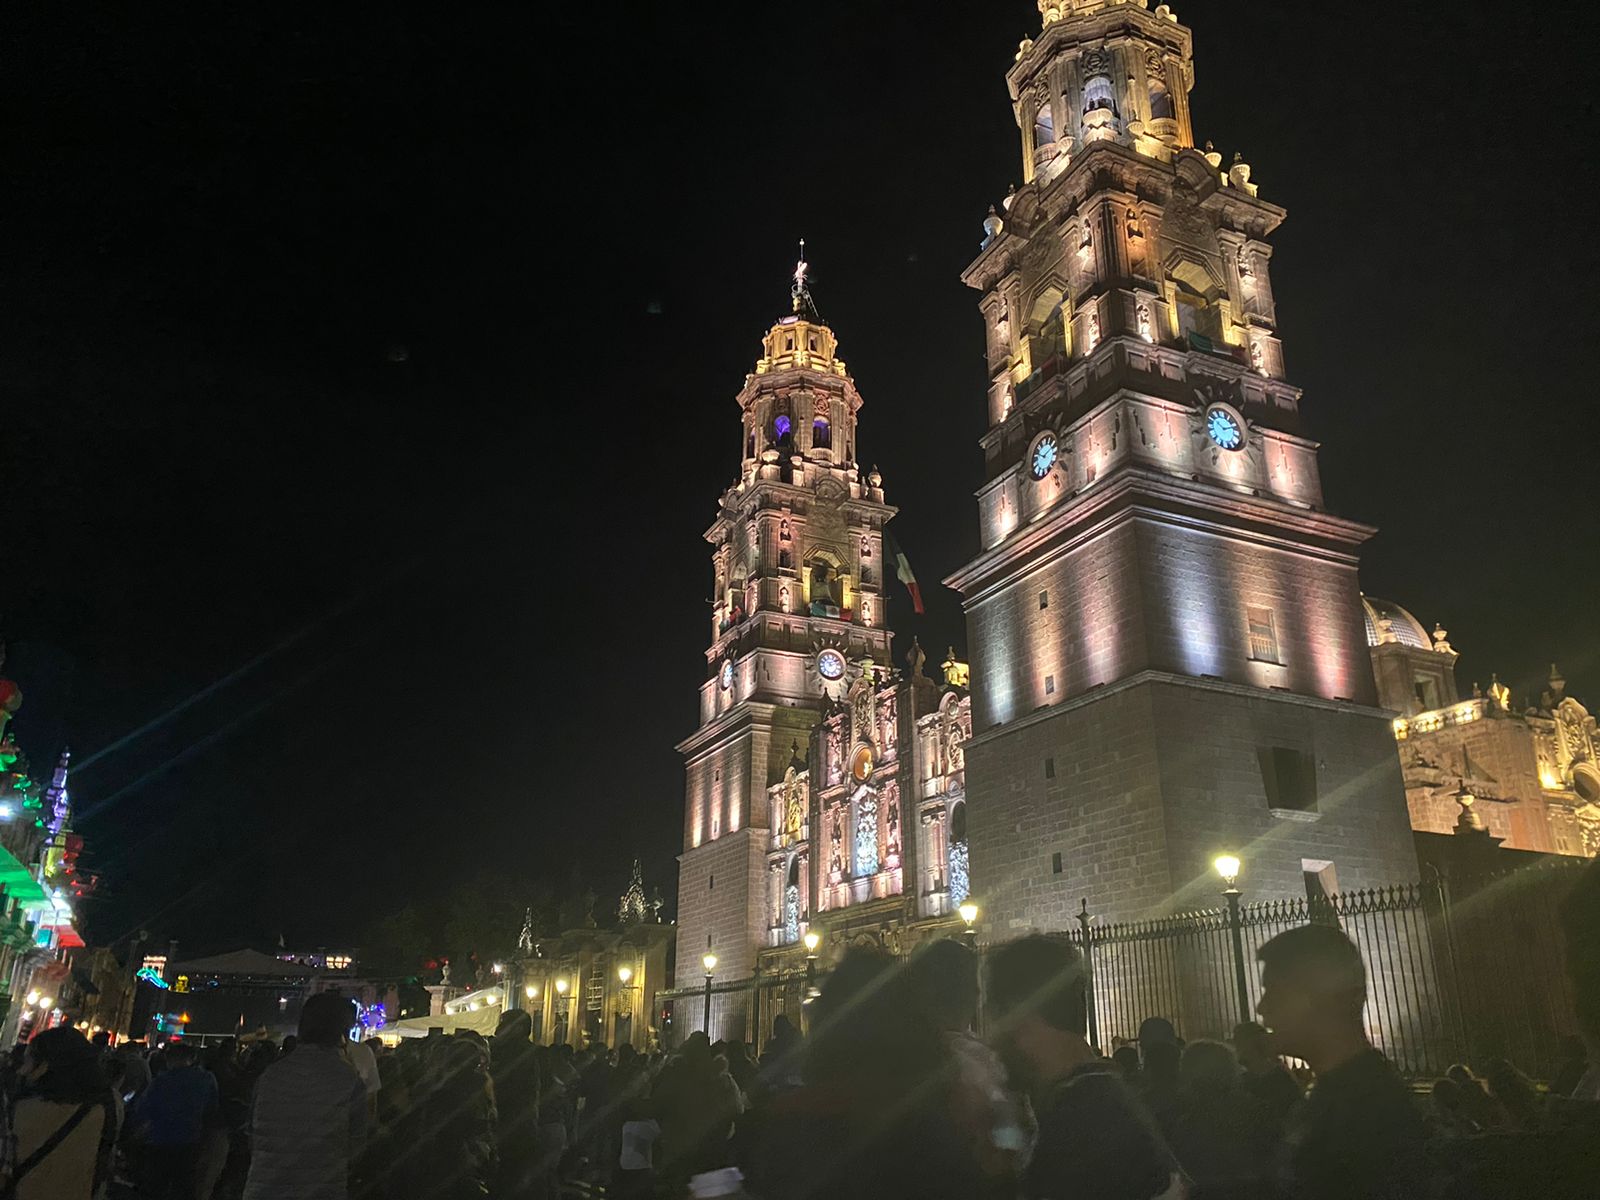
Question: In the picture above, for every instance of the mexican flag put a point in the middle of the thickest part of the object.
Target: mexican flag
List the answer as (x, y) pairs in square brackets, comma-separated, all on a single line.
[(903, 571)]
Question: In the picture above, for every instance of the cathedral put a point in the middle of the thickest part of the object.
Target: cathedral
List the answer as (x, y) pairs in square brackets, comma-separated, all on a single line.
[(1171, 656)]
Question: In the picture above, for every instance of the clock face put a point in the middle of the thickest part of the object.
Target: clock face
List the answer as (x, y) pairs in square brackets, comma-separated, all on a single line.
[(727, 674), (830, 664), (1223, 428), (1045, 452), (861, 764)]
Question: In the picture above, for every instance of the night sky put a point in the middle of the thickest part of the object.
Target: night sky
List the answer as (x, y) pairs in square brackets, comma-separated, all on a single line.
[(368, 381)]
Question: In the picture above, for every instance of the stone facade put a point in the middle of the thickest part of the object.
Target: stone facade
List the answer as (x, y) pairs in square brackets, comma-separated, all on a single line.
[(1165, 623), (797, 617), (1527, 774)]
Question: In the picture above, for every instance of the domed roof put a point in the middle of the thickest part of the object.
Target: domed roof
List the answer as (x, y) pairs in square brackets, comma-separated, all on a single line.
[(1402, 626)]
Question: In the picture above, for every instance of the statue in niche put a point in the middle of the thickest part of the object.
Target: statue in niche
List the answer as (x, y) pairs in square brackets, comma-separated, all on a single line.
[(1257, 358), (954, 740), (783, 595), (836, 843), (793, 809), (1135, 230), (866, 546), (783, 531), (835, 752), (1094, 330), (1144, 322), (1243, 259), (892, 817), (864, 725)]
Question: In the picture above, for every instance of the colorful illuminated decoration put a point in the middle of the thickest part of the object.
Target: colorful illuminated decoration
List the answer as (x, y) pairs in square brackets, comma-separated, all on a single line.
[(371, 1017), (960, 887), (1223, 428), (791, 913), (151, 975), (1044, 454), (830, 664), (867, 837)]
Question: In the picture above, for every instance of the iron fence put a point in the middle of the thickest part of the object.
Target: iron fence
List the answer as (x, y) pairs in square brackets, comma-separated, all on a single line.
[(1470, 977)]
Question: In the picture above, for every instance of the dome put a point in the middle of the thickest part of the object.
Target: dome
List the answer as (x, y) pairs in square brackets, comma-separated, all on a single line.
[(1405, 628)]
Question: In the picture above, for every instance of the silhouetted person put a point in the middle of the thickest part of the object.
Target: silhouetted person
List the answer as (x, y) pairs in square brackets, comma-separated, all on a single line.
[(1095, 1139), (1265, 1076), (1223, 1136), (1358, 1136), (873, 1119), (308, 1122), (62, 1119), (1515, 1094), (1127, 1060), (987, 1114), (516, 1094), (172, 1117)]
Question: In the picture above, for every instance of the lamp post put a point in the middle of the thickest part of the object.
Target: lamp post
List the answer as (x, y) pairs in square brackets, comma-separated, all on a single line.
[(709, 961), (625, 979), (1227, 866), (969, 914), (561, 1007), (813, 939)]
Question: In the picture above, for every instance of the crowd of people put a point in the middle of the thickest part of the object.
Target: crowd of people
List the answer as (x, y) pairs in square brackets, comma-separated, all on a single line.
[(890, 1093)]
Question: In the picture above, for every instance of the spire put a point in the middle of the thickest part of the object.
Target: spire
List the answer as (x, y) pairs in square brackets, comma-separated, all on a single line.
[(800, 292)]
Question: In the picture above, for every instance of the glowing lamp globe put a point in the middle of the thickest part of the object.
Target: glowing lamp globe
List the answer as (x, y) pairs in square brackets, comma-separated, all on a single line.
[(561, 986), (969, 912), (530, 991), (813, 940), (1227, 866), (624, 974), (710, 961)]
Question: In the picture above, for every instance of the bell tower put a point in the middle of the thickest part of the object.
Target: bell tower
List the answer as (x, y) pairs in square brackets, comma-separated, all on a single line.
[(1168, 656), (797, 612)]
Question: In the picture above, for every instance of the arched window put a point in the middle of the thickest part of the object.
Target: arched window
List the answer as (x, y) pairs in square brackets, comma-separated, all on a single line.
[(821, 434), (782, 431), (791, 902), (1098, 95), (1197, 297), (1048, 328), (960, 883), (1044, 128), (1160, 99), (866, 839)]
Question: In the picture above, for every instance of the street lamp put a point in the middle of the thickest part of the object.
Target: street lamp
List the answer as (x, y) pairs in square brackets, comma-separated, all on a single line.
[(1227, 866), (709, 960), (969, 914), (813, 939), (561, 1007), (624, 974)]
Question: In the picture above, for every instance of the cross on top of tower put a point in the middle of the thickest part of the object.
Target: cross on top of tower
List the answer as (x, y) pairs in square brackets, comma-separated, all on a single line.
[(800, 291)]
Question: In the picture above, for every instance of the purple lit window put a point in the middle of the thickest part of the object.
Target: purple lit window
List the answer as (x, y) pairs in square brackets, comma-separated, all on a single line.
[(781, 426)]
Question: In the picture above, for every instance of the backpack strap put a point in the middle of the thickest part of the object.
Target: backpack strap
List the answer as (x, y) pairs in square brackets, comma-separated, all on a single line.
[(62, 1133)]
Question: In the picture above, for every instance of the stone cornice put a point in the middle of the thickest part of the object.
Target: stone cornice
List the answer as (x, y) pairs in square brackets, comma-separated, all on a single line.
[(1153, 676), (1138, 493)]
